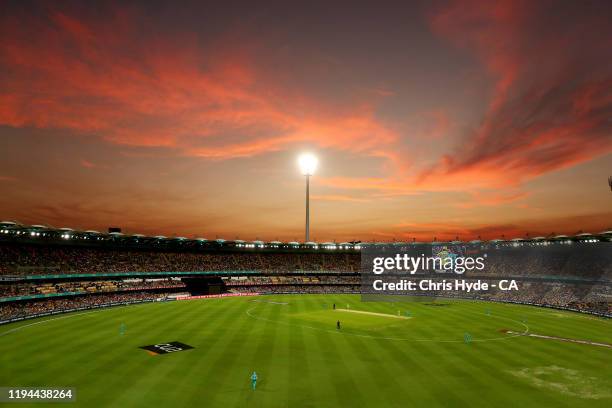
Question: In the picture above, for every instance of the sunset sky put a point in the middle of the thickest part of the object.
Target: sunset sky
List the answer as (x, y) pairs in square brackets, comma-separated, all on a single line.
[(446, 118)]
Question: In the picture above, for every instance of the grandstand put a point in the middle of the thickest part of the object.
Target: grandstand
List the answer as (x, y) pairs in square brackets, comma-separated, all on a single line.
[(64, 269)]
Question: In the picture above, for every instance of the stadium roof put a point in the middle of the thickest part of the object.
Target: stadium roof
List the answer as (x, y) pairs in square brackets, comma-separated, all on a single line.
[(42, 233)]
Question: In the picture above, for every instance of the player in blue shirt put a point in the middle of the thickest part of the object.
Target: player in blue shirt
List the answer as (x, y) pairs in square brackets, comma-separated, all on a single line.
[(254, 380)]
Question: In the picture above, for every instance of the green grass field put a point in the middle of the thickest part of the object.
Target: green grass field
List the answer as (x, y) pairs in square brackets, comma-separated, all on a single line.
[(303, 361)]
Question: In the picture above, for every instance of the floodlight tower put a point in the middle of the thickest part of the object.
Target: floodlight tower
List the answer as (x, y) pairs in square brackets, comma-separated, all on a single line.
[(308, 164)]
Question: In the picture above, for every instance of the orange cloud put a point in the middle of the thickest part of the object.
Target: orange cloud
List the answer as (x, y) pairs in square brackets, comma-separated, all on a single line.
[(97, 77), (492, 199), (426, 231), (552, 97), (549, 105)]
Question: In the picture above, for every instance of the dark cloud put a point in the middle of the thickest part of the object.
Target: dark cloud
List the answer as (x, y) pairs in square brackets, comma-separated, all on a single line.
[(551, 102)]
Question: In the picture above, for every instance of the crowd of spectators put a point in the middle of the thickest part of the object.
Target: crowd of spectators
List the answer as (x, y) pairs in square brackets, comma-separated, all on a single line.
[(311, 289), (22, 309), (50, 288), (585, 297), (294, 280), (576, 260), (559, 276), (45, 260)]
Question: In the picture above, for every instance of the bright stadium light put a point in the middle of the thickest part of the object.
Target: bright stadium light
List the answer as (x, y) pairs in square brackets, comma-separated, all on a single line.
[(308, 164)]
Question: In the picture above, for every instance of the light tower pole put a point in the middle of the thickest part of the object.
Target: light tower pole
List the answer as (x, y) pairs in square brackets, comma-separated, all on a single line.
[(307, 239), (308, 165)]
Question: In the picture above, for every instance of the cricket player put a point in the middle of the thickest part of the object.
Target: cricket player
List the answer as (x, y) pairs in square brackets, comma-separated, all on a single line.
[(254, 380), (338, 325)]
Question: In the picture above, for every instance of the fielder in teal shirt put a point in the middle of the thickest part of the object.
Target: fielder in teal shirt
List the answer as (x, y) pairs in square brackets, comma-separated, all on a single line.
[(254, 380)]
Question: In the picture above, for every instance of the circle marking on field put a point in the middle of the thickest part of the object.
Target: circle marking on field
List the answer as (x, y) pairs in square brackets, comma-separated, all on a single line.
[(249, 313)]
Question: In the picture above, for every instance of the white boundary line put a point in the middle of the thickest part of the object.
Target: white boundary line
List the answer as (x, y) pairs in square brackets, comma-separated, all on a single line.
[(73, 314), (567, 340), (16, 329)]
